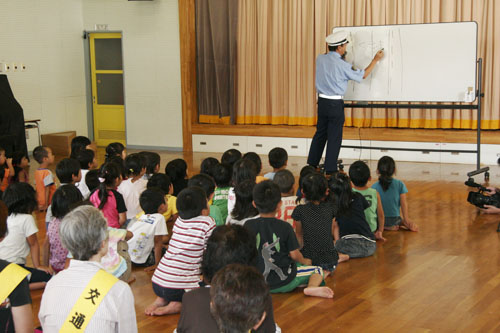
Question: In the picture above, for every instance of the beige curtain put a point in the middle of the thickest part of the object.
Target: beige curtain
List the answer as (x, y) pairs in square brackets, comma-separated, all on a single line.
[(279, 40)]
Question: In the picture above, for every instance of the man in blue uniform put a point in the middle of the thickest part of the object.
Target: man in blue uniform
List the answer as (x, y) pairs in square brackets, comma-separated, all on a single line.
[(332, 76)]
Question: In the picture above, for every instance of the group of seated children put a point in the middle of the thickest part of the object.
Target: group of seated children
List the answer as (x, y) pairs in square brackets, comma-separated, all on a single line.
[(298, 235)]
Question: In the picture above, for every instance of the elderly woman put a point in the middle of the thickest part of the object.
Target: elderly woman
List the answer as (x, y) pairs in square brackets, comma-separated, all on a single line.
[(84, 296)]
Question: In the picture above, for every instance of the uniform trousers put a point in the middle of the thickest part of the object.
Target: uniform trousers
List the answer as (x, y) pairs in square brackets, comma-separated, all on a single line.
[(329, 128)]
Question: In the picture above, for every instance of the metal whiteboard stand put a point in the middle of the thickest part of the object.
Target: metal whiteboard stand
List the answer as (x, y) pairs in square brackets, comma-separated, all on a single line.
[(471, 106)]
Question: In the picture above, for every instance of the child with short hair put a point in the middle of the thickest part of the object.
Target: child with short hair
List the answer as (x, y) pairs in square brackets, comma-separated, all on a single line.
[(303, 173), (134, 185), (44, 180), (150, 230), (152, 162), (208, 185), (87, 160), (393, 196), (352, 233), (280, 261), (177, 171), (244, 209), (222, 177), (162, 181), (179, 268), (19, 163), (314, 223), (106, 197), (278, 159), (207, 166), (68, 171), (79, 143), (286, 181), (359, 172), (65, 197), (243, 169), (254, 157), (92, 180), (239, 296), (21, 240), (230, 157)]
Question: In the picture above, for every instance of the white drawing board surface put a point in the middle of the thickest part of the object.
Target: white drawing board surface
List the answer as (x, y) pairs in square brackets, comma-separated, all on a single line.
[(423, 62)]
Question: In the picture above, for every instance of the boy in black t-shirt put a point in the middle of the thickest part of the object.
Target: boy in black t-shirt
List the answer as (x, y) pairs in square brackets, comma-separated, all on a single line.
[(280, 261)]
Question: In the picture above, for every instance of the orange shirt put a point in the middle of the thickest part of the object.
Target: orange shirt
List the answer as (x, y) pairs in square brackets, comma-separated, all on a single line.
[(43, 179), (5, 180)]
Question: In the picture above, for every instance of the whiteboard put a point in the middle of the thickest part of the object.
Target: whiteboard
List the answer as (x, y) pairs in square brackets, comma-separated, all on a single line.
[(433, 62)]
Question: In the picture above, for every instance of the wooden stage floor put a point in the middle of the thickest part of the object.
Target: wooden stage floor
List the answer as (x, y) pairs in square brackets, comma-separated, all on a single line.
[(445, 278)]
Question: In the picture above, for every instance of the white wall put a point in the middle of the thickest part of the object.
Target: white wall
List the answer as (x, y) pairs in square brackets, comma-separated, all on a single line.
[(46, 35), (151, 63)]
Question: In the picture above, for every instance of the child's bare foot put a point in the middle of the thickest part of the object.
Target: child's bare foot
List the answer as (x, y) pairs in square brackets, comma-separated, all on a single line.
[(171, 308), (409, 225), (343, 257), (393, 228), (159, 302), (324, 292)]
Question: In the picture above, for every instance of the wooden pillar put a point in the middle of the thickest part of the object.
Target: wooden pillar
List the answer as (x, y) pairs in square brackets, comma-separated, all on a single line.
[(187, 32)]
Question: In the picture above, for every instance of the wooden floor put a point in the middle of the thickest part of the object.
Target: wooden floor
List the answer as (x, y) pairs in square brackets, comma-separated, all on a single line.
[(445, 278)]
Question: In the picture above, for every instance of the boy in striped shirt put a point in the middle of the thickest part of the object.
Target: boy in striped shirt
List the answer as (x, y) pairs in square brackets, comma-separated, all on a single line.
[(179, 268)]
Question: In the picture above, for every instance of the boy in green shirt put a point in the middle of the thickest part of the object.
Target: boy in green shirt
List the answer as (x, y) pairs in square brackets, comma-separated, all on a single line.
[(359, 173)]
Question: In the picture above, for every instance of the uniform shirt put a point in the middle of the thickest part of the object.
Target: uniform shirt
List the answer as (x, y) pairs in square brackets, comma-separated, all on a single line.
[(145, 229), (316, 221), (14, 247), (131, 192), (333, 74), (370, 195), (116, 313), (43, 179), (18, 297), (354, 221), (288, 204), (275, 240), (179, 268), (391, 198)]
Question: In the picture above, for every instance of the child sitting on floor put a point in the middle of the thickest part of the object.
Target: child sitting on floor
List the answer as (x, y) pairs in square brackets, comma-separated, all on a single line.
[(278, 159), (150, 230), (352, 233), (222, 177), (393, 196), (286, 181), (179, 268), (87, 160), (280, 261), (19, 163), (6, 170), (21, 240), (208, 185), (135, 184), (314, 223), (359, 173)]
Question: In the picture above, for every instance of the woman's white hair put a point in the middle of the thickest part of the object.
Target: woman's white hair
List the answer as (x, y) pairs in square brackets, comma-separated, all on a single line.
[(82, 232)]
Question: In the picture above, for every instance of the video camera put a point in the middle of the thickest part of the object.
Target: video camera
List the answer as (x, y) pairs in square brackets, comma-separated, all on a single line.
[(481, 198)]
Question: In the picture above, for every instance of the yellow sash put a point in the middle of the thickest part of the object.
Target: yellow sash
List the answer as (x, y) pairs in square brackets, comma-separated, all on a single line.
[(88, 302), (10, 278)]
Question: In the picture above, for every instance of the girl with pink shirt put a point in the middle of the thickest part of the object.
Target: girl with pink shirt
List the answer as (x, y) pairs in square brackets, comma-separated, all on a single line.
[(107, 199)]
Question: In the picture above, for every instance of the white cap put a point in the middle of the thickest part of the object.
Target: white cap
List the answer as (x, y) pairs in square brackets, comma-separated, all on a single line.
[(337, 38)]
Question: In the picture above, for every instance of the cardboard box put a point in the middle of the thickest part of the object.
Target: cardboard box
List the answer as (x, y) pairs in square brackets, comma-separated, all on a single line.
[(60, 143)]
